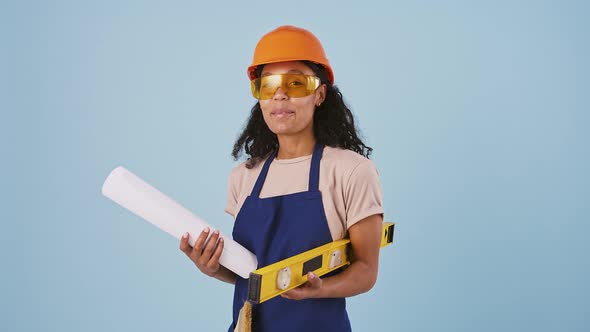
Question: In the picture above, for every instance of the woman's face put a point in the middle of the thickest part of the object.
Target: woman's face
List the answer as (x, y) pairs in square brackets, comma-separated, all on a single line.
[(286, 115)]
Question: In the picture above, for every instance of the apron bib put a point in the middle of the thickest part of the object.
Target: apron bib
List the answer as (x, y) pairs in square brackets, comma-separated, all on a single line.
[(276, 228)]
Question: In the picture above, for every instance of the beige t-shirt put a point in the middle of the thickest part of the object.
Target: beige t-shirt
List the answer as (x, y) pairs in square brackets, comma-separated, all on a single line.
[(349, 184)]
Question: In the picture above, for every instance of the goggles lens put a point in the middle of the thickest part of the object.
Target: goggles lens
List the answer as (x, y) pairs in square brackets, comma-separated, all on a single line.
[(293, 85)]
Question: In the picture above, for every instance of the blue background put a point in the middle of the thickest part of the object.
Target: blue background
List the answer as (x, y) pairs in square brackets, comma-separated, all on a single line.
[(477, 112)]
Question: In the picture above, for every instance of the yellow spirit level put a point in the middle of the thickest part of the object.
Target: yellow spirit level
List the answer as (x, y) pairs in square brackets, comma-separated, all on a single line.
[(275, 279)]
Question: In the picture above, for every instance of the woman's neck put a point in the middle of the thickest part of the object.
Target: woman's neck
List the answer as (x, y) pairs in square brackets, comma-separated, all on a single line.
[(292, 146)]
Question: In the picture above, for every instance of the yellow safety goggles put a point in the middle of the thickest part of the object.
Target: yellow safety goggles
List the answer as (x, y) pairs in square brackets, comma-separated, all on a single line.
[(293, 85)]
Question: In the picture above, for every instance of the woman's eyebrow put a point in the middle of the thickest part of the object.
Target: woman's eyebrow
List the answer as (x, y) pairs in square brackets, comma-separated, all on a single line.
[(292, 71)]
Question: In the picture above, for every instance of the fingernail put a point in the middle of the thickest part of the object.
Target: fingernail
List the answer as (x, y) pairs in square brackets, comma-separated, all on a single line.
[(220, 239), (206, 230), (311, 276), (185, 235), (216, 232)]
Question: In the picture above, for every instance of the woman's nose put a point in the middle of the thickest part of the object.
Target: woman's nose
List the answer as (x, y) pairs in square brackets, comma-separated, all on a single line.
[(280, 94)]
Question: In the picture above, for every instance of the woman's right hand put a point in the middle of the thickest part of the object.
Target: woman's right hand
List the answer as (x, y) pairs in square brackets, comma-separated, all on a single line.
[(205, 254)]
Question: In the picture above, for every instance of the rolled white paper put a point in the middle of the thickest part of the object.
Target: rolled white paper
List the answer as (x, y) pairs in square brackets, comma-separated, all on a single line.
[(139, 197)]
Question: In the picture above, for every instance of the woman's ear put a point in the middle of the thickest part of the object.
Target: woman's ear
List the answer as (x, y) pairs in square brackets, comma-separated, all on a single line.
[(321, 95)]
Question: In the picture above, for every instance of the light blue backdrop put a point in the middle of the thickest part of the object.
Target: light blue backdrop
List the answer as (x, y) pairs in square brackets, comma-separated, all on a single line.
[(477, 112)]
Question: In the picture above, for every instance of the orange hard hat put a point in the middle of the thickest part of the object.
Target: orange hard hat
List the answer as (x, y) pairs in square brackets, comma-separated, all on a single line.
[(289, 43)]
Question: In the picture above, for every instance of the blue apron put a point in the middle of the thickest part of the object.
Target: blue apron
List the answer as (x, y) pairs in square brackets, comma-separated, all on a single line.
[(275, 228)]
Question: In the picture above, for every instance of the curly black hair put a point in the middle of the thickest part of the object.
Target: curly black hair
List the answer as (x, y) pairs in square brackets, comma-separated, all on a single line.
[(333, 125)]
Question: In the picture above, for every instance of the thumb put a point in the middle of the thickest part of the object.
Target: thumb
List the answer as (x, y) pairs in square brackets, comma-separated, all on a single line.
[(314, 281)]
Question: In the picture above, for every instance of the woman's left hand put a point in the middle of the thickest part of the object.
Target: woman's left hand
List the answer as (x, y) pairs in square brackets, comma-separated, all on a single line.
[(310, 289)]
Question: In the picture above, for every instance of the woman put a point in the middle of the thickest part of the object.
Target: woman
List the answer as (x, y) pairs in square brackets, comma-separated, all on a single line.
[(307, 182)]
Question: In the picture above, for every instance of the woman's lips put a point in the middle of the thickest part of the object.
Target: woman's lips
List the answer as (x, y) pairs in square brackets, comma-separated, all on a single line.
[(282, 113)]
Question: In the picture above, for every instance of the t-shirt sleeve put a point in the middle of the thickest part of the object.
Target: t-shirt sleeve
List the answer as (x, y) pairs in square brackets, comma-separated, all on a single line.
[(363, 193), (232, 193)]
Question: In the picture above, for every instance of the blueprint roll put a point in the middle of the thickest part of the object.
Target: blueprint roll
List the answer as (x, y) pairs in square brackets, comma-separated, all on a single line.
[(139, 197)]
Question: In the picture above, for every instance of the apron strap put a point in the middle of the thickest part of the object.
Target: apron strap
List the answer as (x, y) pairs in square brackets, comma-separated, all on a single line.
[(314, 171), (260, 181)]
